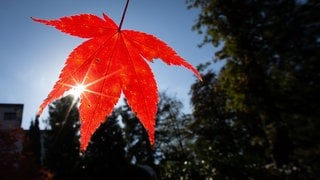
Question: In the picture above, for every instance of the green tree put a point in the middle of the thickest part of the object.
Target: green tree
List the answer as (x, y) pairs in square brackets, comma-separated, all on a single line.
[(228, 144), (271, 51)]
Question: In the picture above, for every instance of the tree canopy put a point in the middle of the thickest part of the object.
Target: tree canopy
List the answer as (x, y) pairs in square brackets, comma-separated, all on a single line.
[(269, 82)]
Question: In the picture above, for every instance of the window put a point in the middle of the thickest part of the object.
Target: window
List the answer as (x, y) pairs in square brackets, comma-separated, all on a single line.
[(10, 116)]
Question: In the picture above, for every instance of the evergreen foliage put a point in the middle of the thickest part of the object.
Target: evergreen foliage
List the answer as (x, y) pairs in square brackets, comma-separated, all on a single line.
[(269, 82)]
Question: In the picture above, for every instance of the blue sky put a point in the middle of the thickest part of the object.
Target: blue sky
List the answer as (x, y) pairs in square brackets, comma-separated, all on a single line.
[(32, 54)]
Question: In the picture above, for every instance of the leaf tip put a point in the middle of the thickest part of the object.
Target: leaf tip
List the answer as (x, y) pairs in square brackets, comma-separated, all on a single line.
[(200, 78), (34, 19), (39, 112), (83, 149), (197, 74), (84, 141)]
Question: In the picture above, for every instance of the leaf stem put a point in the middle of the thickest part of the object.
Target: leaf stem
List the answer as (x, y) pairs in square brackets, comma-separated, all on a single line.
[(123, 14)]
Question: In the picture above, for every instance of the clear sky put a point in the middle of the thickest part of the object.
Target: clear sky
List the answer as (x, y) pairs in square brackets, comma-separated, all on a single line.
[(32, 55)]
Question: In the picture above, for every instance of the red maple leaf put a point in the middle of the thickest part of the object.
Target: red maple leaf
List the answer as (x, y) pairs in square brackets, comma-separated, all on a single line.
[(111, 61)]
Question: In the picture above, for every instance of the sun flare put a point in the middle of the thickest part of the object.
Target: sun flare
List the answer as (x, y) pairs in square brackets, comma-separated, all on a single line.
[(77, 90)]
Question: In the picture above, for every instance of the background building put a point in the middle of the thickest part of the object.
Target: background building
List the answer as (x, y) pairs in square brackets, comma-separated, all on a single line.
[(10, 116)]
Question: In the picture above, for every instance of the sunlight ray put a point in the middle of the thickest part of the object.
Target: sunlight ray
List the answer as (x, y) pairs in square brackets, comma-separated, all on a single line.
[(78, 89)]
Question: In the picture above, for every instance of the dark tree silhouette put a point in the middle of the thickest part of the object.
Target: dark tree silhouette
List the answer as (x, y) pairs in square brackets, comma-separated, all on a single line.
[(61, 140), (35, 142), (173, 140), (120, 147)]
